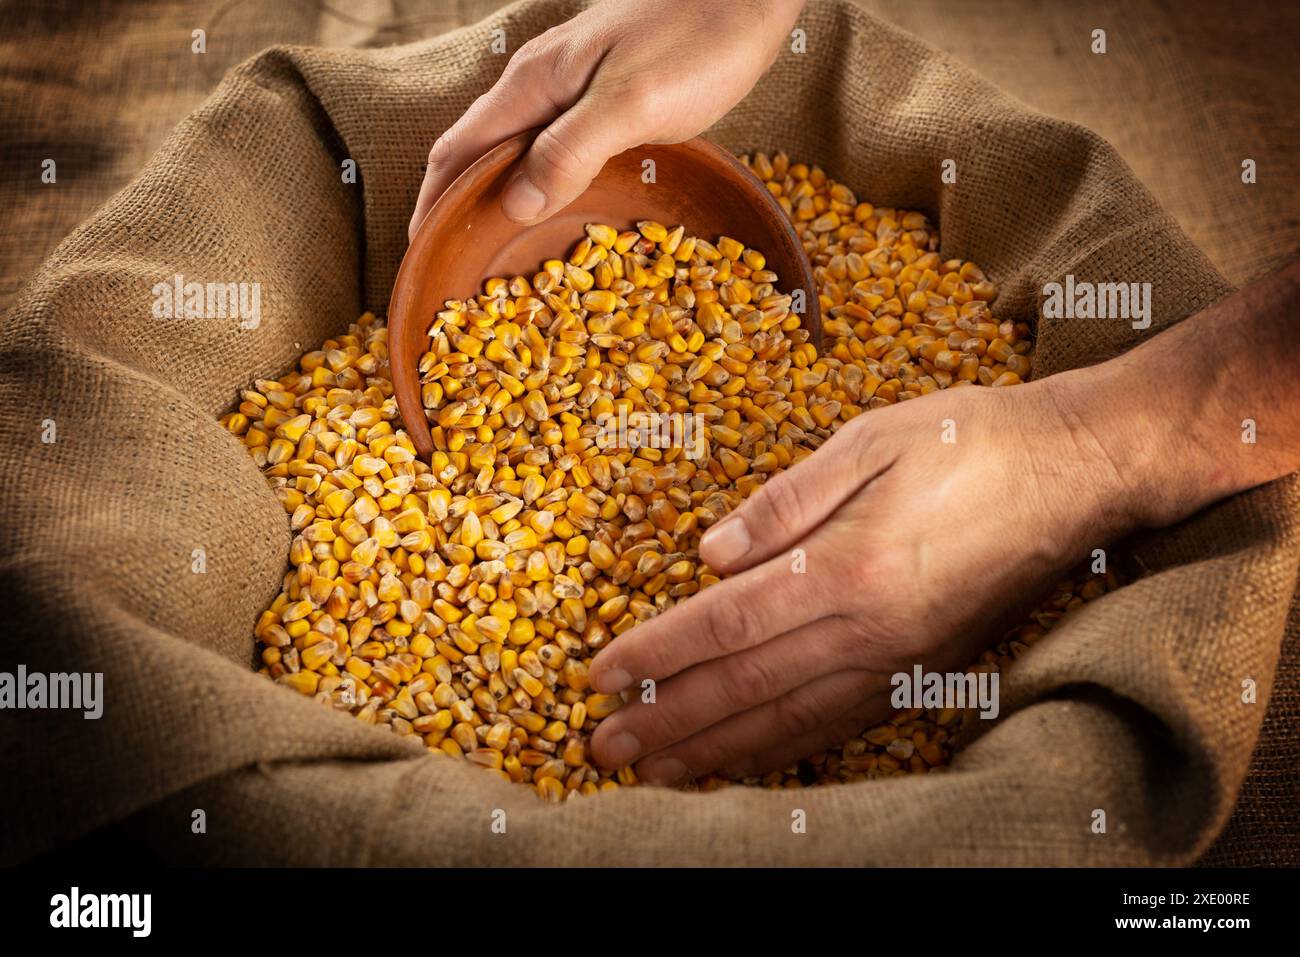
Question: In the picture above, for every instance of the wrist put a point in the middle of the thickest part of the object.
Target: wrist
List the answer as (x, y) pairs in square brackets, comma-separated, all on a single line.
[(1176, 421), (1123, 441), (778, 16)]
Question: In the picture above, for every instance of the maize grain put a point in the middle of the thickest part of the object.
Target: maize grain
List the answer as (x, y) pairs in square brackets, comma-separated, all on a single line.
[(462, 598)]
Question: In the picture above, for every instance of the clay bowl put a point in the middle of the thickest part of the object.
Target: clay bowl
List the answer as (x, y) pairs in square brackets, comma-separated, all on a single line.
[(466, 238)]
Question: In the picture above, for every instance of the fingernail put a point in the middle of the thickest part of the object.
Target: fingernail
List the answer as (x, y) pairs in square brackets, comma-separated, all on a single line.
[(663, 771), (523, 201), (622, 749), (612, 681), (441, 150), (728, 541)]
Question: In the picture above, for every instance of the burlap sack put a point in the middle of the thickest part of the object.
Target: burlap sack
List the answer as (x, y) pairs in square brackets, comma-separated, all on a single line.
[(1132, 706)]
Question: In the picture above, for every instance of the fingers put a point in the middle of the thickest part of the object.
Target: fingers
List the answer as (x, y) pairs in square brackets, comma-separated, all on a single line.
[(537, 86), (567, 155), (833, 734), (786, 508), (792, 717), (706, 694), (734, 615)]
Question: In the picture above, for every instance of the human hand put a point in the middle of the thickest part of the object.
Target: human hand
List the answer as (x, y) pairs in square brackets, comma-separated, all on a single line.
[(619, 74), (915, 549)]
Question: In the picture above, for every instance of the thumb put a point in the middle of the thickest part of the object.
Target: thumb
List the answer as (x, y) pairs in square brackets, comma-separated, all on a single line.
[(566, 157), (789, 506)]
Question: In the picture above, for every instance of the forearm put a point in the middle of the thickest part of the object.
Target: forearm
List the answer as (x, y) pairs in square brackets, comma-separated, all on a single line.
[(781, 13), (1203, 410)]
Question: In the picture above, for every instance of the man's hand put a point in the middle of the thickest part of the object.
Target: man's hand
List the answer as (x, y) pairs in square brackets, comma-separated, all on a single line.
[(619, 74), (915, 549), (917, 527)]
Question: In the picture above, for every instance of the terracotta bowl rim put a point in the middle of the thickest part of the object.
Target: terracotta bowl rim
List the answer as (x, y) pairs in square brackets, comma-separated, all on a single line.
[(489, 165)]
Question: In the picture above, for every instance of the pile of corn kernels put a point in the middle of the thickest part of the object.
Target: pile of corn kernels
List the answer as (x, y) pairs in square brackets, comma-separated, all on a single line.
[(462, 599)]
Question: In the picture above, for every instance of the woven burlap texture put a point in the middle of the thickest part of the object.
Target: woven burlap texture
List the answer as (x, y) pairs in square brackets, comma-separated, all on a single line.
[(1132, 706)]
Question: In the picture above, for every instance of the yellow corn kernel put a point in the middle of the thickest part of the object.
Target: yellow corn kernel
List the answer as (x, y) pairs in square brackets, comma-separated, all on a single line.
[(465, 593)]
